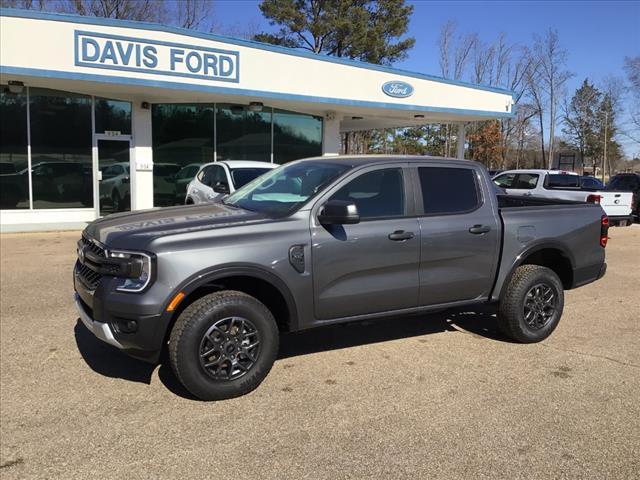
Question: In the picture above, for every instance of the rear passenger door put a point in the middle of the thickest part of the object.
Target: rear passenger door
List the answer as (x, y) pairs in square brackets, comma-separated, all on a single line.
[(371, 266), (459, 232)]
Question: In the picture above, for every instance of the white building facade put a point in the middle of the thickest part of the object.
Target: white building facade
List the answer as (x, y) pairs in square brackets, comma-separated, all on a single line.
[(101, 115)]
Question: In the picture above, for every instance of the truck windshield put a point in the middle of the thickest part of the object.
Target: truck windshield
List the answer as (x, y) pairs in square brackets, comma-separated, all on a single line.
[(285, 189)]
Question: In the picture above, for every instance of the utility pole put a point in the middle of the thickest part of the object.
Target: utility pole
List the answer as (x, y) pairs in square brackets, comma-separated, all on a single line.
[(604, 160)]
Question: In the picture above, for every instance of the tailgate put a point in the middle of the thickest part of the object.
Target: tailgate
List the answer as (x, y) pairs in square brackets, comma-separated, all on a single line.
[(616, 204)]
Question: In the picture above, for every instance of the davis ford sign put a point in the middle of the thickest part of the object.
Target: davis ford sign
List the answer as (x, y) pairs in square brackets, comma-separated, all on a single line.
[(397, 89), (114, 52)]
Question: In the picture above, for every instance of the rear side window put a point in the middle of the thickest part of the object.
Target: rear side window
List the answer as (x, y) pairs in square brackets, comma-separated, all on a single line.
[(448, 190), (525, 181), (562, 180)]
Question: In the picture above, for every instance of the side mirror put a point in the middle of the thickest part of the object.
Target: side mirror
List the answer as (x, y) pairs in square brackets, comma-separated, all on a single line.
[(220, 188), (339, 212)]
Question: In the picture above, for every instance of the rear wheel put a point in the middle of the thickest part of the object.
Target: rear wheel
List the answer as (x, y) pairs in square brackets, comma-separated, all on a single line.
[(532, 305), (223, 345)]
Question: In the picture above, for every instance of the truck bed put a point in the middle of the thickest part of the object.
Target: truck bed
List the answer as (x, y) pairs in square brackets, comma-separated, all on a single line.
[(514, 201)]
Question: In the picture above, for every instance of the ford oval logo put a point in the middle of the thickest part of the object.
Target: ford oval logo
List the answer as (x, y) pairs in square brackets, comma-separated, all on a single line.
[(397, 89)]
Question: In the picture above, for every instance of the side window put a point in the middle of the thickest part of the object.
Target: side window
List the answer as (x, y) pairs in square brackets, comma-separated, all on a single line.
[(448, 190), (377, 194), (205, 175), (506, 180), (219, 176), (525, 181)]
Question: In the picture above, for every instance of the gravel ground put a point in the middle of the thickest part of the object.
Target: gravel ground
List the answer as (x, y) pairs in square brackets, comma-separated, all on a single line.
[(420, 397)]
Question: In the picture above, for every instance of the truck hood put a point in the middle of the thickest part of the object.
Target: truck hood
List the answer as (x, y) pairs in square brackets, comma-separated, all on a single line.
[(136, 229)]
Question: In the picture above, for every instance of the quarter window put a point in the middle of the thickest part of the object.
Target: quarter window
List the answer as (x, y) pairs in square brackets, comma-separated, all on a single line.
[(377, 194), (448, 190)]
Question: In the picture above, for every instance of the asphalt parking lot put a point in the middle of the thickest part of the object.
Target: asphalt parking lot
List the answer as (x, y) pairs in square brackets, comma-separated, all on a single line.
[(420, 397)]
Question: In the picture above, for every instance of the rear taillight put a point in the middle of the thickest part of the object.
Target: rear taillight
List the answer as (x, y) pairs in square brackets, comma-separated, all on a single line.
[(604, 231), (594, 199)]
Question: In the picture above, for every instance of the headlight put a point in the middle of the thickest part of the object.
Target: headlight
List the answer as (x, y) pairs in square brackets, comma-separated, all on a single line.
[(138, 267)]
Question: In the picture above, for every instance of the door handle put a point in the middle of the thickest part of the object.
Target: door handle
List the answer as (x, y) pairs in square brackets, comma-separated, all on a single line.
[(479, 229), (527, 194), (401, 236)]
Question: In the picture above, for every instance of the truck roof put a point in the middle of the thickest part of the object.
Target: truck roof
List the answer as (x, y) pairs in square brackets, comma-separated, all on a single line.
[(539, 170), (358, 160)]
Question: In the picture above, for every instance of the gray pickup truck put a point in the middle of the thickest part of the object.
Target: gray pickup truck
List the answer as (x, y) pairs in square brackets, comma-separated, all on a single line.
[(326, 240)]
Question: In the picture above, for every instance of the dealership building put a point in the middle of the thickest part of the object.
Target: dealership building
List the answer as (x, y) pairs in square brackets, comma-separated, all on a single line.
[(98, 115)]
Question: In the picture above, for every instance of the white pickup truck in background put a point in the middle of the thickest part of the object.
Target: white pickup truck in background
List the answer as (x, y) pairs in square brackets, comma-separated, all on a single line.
[(566, 186)]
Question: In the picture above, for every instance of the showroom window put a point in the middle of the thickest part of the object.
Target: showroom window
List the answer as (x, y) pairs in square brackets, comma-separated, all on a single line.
[(242, 134), (113, 116), (14, 180), (182, 141), (61, 164), (295, 136), (189, 134)]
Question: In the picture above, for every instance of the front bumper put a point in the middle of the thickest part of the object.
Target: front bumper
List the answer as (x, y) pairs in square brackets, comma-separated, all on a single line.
[(99, 329), (109, 315)]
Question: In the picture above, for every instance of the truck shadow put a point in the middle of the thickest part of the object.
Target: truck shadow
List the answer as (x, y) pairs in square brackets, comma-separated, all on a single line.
[(479, 321)]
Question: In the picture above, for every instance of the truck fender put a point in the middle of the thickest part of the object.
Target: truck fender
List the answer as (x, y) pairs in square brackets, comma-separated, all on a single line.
[(499, 289), (210, 275)]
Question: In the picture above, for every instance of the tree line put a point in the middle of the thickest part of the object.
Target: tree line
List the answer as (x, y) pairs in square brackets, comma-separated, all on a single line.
[(547, 118)]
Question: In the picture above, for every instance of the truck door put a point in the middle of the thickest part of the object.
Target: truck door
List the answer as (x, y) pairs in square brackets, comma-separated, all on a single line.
[(371, 266), (460, 234)]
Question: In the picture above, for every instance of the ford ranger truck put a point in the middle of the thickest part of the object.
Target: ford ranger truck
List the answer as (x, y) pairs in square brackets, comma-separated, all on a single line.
[(321, 241)]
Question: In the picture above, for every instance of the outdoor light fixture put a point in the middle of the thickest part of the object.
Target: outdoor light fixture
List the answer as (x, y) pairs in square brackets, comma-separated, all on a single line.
[(255, 106), (145, 105), (15, 86), (418, 116), (356, 118)]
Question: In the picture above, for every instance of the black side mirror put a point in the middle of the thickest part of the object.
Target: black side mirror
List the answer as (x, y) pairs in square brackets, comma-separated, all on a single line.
[(221, 188), (339, 212)]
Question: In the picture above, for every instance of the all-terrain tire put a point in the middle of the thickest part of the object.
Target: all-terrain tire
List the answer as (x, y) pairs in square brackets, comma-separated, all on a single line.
[(511, 311), (188, 334)]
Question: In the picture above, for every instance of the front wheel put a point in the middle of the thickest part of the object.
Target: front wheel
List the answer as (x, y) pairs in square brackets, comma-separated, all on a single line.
[(223, 345), (532, 305)]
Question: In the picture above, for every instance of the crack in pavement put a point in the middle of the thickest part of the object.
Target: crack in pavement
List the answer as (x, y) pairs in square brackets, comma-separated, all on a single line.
[(593, 355)]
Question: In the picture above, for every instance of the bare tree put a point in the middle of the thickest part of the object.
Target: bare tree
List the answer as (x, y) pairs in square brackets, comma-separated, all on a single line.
[(483, 62), (192, 13), (552, 75), (444, 44), (30, 4), (141, 10)]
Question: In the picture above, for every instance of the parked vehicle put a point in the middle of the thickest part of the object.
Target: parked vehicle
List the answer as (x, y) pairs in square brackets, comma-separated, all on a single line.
[(221, 178), (565, 186), (183, 177), (52, 181), (115, 186), (588, 182), (326, 240), (627, 182)]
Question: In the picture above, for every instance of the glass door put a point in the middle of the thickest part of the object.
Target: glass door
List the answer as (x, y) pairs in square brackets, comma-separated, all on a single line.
[(114, 176)]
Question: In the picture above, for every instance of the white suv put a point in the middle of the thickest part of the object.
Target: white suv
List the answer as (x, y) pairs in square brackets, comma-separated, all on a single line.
[(220, 178)]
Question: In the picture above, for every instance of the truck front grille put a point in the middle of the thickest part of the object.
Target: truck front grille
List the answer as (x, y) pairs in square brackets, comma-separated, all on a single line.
[(85, 273)]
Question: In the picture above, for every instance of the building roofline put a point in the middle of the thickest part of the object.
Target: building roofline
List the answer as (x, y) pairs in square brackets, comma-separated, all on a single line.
[(89, 20)]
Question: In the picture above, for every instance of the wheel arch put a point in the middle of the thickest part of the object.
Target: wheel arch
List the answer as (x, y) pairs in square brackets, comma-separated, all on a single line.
[(253, 280), (553, 255)]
